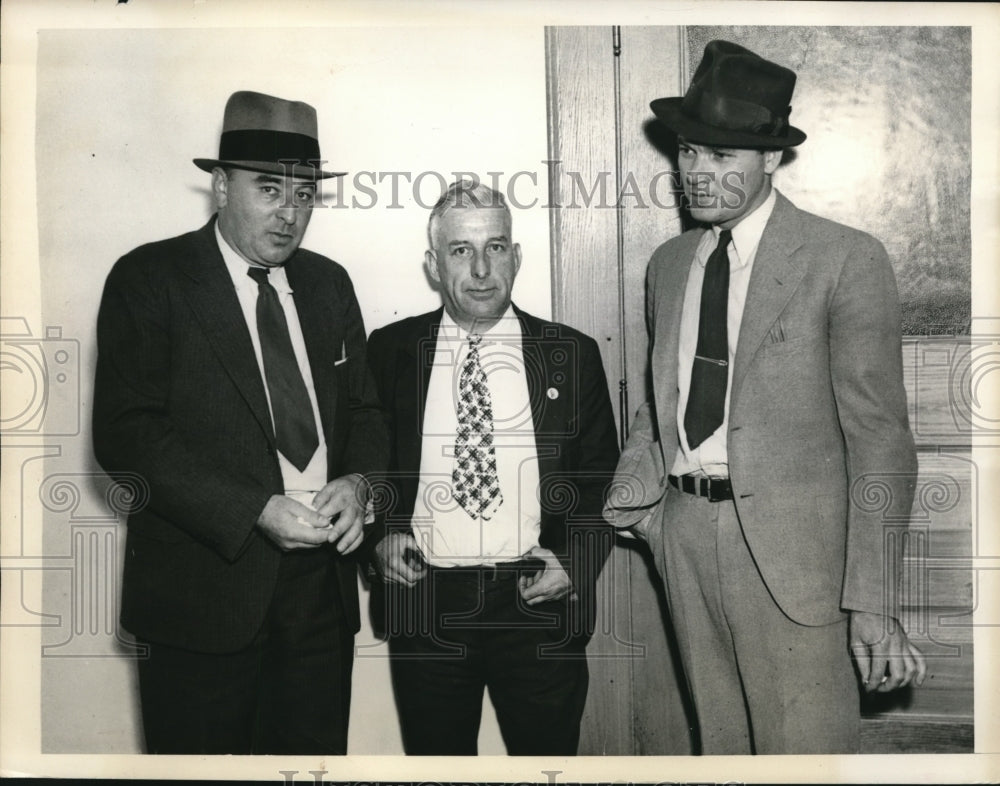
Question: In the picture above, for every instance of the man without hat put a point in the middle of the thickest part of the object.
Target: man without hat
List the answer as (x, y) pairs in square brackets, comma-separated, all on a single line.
[(777, 400), (232, 378), (502, 444)]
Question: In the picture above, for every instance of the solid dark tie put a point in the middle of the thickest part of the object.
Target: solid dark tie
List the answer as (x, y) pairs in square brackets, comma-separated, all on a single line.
[(706, 403), (475, 484), (294, 423)]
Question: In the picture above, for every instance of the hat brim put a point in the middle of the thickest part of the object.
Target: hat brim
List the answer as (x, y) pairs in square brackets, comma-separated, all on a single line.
[(295, 170), (668, 111)]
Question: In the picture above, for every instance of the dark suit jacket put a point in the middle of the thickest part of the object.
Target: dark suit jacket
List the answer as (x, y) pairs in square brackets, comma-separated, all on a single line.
[(179, 400), (574, 433), (820, 452)]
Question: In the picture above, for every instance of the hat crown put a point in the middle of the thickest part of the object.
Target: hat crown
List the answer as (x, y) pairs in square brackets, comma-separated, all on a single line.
[(263, 133), (730, 70), (250, 111), (736, 98)]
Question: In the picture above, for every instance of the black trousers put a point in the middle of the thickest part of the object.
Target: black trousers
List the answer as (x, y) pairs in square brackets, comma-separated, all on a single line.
[(289, 692), (460, 631)]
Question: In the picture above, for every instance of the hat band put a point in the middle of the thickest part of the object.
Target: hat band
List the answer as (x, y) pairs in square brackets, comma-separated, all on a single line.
[(734, 114), (270, 146)]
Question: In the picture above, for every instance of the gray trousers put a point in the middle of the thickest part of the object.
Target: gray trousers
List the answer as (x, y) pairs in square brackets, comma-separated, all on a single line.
[(760, 682)]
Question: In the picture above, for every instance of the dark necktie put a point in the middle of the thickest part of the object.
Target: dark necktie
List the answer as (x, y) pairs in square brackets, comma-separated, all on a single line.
[(475, 484), (294, 423), (706, 403)]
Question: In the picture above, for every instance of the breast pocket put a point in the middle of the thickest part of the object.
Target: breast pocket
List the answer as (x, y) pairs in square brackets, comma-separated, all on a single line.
[(792, 344)]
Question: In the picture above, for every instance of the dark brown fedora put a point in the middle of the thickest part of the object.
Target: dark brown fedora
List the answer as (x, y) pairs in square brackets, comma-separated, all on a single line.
[(267, 134), (736, 99)]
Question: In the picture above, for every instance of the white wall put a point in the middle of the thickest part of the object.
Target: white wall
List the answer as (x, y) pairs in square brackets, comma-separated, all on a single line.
[(120, 115)]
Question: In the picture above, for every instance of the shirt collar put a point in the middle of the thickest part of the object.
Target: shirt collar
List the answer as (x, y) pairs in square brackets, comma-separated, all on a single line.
[(506, 326), (747, 233), (238, 266)]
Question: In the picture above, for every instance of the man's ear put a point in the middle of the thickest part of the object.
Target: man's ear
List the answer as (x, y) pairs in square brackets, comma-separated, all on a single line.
[(430, 262), (517, 257), (220, 186), (771, 160)]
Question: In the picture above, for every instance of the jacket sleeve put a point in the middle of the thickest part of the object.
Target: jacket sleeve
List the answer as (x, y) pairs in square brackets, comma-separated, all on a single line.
[(381, 359), (367, 450), (589, 538), (866, 370), (640, 478)]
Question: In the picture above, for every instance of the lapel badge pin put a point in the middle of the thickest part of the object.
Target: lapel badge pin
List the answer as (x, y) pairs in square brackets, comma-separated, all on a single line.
[(552, 393)]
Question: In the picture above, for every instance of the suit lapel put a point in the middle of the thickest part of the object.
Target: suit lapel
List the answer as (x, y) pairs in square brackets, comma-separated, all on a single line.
[(416, 360), (773, 280), (670, 287), (212, 298), (549, 398)]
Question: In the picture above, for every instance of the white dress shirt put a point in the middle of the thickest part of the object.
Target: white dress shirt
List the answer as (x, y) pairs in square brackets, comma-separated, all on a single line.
[(300, 485), (711, 458), (446, 534)]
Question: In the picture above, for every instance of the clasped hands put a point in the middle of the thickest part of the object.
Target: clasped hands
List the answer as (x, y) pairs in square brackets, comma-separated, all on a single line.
[(337, 516), (399, 561)]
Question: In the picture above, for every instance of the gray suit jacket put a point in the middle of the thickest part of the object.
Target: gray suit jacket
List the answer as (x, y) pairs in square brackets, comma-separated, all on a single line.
[(820, 452)]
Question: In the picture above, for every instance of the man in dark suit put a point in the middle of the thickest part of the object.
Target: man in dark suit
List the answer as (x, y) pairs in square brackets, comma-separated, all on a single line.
[(231, 377), (778, 407), (502, 444)]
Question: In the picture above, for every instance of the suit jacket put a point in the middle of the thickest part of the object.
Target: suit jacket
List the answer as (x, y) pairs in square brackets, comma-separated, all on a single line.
[(574, 427), (179, 400), (820, 452)]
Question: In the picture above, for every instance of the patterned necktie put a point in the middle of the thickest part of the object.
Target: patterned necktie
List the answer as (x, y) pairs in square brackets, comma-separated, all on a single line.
[(294, 422), (706, 405), (475, 484)]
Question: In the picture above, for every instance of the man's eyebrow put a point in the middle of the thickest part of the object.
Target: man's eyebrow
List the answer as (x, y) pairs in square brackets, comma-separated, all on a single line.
[(278, 180), (493, 239)]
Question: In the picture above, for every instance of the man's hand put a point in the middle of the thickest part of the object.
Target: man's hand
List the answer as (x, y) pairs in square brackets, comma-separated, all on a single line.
[(399, 559), (291, 525), (343, 501), (878, 641), (551, 583)]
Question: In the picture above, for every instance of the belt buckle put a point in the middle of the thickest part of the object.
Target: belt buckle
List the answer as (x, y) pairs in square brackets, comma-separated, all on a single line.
[(717, 490)]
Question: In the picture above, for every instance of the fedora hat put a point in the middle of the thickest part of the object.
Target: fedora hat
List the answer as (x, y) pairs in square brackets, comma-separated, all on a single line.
[(267, 134), (736, 99)]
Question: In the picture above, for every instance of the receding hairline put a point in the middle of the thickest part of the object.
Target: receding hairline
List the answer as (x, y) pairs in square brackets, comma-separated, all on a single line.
[(469, 195)]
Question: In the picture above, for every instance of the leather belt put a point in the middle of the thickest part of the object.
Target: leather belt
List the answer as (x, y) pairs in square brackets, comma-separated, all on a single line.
[(715, 489), (497, 572)]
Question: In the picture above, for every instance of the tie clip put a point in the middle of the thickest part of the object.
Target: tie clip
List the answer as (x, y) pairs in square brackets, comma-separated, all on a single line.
[(712, 360)]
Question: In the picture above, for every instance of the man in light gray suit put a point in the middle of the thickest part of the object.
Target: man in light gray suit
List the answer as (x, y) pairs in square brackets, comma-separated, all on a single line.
[(778, 407)]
